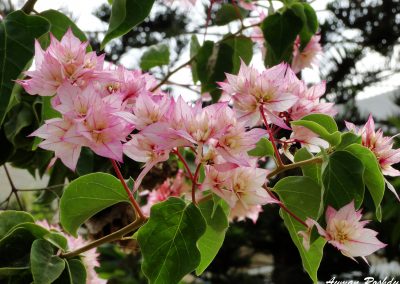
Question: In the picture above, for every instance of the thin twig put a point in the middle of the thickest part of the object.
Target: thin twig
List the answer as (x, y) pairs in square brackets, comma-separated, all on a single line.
[(28, 6), (315, 160), (14, 190)]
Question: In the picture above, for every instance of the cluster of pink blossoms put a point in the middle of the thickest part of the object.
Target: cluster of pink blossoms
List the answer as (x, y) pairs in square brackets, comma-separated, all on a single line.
[(89, 257)]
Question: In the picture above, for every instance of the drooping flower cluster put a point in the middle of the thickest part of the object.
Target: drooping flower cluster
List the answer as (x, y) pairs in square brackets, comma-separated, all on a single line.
[(308, 57), (346, 232), (89, 257)]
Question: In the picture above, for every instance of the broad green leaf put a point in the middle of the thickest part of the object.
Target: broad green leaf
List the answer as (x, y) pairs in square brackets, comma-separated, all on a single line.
[(310, 21), (373, 176), (313, 170), (324, 120), (11, 218), (17, 34), (342, 177), (211, 241), (280, 31), (156, 55), (168, 241), (263, 148), (88, 195), (242, 51), (59, 25), (15, 248), (125, 15), (57, 239), (74, 272), (194, 49), (10, 271), (303, 196), (228, 13), (45, 265), (348, 138)]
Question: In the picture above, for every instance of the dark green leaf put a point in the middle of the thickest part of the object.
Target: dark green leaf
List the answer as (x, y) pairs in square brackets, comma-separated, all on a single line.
[(242, 50), (348, 138), (313, 170), (17, 34), (310, 21), (156, 55), (211, 241), (125, 15), (194, 49), (228, 13), (88, 195), (77, 270), (15, 248), (263, 148), (45, 266), (11, 218), (280, 31), (9, 271), (168, 241), (342, 177), (303, 196), (373, 176)]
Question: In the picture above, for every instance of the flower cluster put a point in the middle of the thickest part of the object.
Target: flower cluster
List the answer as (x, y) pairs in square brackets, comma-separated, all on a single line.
[(346, 232), (89, 257)]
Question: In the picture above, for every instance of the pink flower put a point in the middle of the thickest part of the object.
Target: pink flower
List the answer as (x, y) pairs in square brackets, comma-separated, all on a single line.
[(308, 139), (381, 146), (269, 89), (89, 258), (309, 101), (346, 232), (56, 134), (240, 213), (308, 56), (142, 149)]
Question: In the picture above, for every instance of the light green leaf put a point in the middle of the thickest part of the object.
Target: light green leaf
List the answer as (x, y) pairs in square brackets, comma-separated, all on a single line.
[(342, 177), (348, 138), (263, 148), (45, 266), (324, 120), (17, 34), (10, 218), (88, 195), (373, 176), (211, 241), (125, 15), (156, 55), (168, 241), (303, 196), (312, 170)]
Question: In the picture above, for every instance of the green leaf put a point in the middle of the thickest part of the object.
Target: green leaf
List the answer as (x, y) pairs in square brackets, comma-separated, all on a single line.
[(15, 248), (310, 21), (77, 271), (17, 34), (348, 138), (156, 55), (228, 13), (242, 50), (10, 218), (60, 24), (57, 239), (168, 241), (342, 177), (321, 124), (45, 266), (263, 148), (303, 196), (280, 31), (88, 195), (10, 271), (125, 15), (312, 170), (194, 49), (373, 176), (211, 241)]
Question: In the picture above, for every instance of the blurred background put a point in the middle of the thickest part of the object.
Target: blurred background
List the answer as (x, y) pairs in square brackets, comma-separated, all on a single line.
[(361, 65)]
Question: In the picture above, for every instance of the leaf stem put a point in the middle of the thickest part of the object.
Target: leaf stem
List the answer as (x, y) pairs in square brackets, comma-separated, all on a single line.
[(107, 239), (315, 160), (128, 191), (271, 138), (28, 6), (176, 152)]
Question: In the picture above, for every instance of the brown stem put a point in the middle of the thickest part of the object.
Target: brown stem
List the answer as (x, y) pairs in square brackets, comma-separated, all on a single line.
[(271, 138), (106, 239), (28, 6), (128, 191), (176, 152), (315, 160)]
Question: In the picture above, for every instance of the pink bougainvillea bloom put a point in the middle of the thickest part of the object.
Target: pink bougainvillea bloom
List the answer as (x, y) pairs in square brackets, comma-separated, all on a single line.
[(246, 4), (381, 146), (308, 139), (240, 212), (346, 232), (89, 257), (308, 56), (56, 133), (142, 149), (269, 89), (309, 101)]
